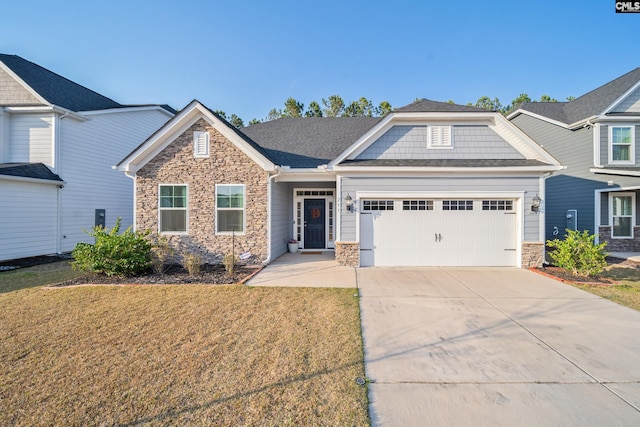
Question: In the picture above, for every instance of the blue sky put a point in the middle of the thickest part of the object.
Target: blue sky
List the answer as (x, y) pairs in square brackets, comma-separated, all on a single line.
[(246, 57)]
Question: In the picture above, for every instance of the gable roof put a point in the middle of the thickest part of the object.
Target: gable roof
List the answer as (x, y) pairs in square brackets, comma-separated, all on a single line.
[(31, 171), (60, 91), (308, 142), (179, 123), (428, 106), (589, 105)]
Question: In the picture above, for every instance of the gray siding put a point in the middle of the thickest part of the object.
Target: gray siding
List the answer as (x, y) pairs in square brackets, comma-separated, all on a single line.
[(572, 188), (280, 218), (631, 104), (604, 145), (469, 142), (350, 185)]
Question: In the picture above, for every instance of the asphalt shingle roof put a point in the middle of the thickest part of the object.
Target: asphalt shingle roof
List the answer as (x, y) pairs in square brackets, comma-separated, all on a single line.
[(589, 104), (428, 106), (56, 89), (28, 170), (310, 141)]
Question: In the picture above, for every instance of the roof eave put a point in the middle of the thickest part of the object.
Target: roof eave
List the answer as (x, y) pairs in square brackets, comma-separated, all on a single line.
[(448, 169)]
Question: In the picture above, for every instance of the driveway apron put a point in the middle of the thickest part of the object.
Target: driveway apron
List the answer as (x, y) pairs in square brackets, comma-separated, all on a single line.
[(495, 347)]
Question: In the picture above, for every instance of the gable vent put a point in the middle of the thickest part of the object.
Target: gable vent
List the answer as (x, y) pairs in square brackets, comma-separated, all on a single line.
[(201, 144), (439, 137)]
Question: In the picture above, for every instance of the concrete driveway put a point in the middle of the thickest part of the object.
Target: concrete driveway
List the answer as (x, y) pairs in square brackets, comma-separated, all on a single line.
[(495, 347)]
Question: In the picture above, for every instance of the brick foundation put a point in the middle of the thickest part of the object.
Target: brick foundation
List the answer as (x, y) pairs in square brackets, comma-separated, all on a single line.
[(532, 254), (619, 245), (348, 254)]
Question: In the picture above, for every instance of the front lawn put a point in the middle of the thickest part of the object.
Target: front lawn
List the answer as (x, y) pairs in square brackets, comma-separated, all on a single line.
[(626, 292), (180, 355)]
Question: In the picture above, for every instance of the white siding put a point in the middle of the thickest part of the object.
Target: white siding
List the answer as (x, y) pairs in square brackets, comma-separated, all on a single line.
[(31, 139), (529, 185), (87, 152), (27, 219)]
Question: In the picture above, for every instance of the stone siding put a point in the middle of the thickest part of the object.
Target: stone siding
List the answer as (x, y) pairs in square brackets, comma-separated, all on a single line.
[(620, 245), (348, 254), (532, 254), (227, 164)]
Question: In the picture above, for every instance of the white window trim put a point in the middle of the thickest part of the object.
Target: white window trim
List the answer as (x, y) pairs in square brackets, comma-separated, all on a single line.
[(244, 210), (186, 208), (633, 212), (196, 139), (439, 146), (632, 150)]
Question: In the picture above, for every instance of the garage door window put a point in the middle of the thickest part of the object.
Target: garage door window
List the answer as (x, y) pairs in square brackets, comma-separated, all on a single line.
[(457, 205), (497, 205), (377, 205), (417, 205)]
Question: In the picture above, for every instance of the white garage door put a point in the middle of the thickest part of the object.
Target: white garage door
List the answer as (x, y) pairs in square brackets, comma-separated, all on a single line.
[(438, 232)]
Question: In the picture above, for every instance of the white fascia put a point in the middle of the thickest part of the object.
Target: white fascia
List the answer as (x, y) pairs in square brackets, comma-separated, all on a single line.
[(47, 109), (621, 98), (606, 171), (457, 170), (129, 110), (537, 116)]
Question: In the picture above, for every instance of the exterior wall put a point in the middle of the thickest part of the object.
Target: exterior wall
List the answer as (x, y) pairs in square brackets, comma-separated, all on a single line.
[(348, 254), (604, 146), (469, 142), (281, 217), (532, 254), (29, 219), (30, 138), (13, 93), (529, 185), (620, 245), (88, 150), (227, 165)]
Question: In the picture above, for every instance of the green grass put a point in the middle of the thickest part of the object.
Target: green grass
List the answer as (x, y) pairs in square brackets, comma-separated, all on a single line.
[(177, 355), (627, 293), (39, 275)]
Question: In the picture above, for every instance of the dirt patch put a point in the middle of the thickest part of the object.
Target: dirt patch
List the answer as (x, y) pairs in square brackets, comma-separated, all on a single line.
[(175, 275)]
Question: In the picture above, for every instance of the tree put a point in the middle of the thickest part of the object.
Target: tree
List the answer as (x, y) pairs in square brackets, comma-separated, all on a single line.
[(222, 114), (333, 107), (488, 104), (274, 114), (360, 108), (383, 109), (236, 121), (254, 121), (313, 110), (547, 98), (570, 98), (292, 108)]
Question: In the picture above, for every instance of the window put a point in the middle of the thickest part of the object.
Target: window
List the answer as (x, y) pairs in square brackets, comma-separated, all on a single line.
[(230, 205), (377, 205), (622, 214), (497, 205), (201, 144), (173, 208), (439, 137), (457, 205), (621, 144), (417, 205)]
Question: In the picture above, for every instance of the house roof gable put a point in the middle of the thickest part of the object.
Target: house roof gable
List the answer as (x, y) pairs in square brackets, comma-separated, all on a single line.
[(29, 171), (180, 123), (592, 104)]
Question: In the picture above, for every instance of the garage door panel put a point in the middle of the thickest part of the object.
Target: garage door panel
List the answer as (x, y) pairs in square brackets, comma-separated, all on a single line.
[(405, 238)]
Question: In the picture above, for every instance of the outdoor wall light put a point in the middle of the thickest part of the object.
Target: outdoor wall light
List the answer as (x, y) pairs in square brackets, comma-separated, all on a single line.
[(349, 203), (535, 203)]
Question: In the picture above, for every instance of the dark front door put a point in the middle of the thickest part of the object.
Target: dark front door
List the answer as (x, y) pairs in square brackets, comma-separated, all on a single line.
[(314, 223)]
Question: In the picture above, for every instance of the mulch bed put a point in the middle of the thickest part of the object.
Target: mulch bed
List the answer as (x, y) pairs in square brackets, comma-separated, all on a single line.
[(566, 276), (174, 275)]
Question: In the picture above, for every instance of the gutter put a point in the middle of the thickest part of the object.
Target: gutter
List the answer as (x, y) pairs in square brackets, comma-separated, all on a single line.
[(269, 227)]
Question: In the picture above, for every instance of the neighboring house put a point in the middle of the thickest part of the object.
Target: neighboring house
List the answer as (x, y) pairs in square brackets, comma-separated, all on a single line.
[(58, 141), (596, 137), (429, 184)]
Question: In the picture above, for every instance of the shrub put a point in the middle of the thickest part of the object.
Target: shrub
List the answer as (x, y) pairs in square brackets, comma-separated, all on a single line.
[(192, 262), (161, 254), (230, 262), (113, 254), (578, 253)]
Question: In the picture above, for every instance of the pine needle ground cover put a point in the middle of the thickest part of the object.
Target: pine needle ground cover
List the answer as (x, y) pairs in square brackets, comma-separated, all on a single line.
[(180, 355)]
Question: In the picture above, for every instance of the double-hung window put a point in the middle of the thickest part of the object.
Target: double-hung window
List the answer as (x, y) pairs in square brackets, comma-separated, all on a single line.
[(621, 144), (230, 208), (173, 209), (622, 214)]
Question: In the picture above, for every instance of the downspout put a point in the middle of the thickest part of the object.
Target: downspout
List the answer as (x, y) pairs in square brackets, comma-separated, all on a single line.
[(269, 227)]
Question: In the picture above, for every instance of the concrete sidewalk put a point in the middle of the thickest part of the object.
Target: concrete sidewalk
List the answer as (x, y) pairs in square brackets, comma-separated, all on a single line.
[(495, 347), (316, 270)]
